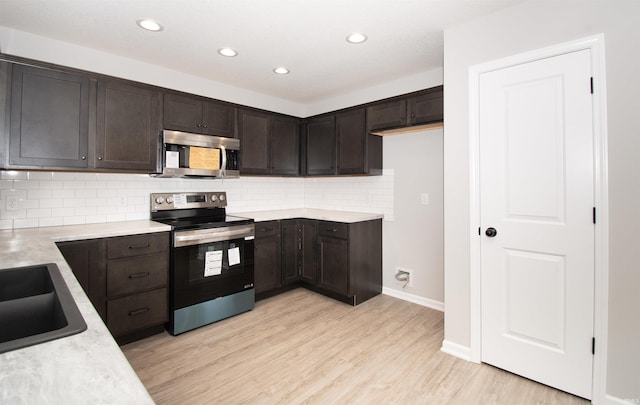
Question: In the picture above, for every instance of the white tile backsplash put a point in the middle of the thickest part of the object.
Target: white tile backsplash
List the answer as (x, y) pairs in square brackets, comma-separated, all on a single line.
[(66, 198)]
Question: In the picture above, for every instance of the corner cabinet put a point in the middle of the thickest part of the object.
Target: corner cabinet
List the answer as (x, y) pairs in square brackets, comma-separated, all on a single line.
[(198, 115), (49, 118), (320, 146), (299, 257), (128, 125), (125, 278), (340, 260), (269, 144)]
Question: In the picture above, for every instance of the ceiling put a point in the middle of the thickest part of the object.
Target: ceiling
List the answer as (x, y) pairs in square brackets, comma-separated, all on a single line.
[(405, 37)]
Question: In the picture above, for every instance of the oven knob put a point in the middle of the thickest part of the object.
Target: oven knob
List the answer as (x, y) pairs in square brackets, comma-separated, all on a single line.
[(213, 198), (169, 200), (221, 197), (159, 200)]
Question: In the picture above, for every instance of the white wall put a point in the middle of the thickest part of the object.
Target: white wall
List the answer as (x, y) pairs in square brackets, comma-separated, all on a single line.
[(529, 26), (414, 240)]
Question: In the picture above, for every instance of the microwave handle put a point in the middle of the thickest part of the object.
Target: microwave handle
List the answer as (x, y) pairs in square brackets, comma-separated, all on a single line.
[(223, 167)]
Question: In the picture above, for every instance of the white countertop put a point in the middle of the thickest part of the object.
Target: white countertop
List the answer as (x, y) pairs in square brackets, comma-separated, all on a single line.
[(86, 368), (310, 213)]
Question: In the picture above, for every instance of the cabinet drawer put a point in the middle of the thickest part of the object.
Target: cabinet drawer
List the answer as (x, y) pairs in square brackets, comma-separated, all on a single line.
[(131, 275), (127, 246), (138, 311), (267, 228), (333, 229)]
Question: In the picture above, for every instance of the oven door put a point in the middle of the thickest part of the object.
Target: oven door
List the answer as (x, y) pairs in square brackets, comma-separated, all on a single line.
[(211, 263)]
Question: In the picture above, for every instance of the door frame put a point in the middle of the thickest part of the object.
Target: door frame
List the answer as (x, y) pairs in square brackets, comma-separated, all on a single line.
[(601, 248)]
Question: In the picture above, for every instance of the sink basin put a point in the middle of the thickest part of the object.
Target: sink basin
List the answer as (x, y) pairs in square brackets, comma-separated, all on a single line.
[(35, 307)]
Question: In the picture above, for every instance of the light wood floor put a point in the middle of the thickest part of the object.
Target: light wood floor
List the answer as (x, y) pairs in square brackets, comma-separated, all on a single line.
[(300, 347)]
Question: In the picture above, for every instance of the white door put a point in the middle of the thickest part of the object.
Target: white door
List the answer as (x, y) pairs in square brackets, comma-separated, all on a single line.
[(537, 192)]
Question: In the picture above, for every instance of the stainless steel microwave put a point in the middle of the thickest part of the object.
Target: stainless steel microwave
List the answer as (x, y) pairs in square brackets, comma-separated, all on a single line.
[(185, 154)]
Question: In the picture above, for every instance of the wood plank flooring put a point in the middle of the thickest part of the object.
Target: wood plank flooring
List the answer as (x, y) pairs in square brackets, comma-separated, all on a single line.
[(303, 348)]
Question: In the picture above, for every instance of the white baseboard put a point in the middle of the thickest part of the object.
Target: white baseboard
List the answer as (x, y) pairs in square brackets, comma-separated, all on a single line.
[(457, 350), (416, 299), (611, 400)]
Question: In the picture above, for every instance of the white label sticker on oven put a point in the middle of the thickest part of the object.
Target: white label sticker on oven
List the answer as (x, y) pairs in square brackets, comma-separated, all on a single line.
[(234, 256), (179, 201), (213, 263)]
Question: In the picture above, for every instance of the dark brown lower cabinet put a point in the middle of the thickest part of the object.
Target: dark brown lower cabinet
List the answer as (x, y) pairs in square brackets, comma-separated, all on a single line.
[(267, 272), (350, 259), (125, 278), (340, 260), (299, 251), (333, 269), (87, 261)]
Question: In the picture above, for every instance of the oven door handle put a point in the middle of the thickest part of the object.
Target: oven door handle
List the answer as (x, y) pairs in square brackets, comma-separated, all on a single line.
[(201, 236)]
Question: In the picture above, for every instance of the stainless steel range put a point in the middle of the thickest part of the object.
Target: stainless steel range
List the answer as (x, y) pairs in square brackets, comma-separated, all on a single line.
[(211, 272)]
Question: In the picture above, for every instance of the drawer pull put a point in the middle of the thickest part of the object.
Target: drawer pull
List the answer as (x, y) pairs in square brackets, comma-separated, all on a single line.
[(139, 246), (265, 229), (334, 230), (138, 275), (138, 311)]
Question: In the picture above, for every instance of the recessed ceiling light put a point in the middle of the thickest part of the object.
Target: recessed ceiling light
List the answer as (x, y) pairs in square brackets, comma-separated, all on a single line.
[(281, 70), (227, 52), (149, 25), (356, 38)]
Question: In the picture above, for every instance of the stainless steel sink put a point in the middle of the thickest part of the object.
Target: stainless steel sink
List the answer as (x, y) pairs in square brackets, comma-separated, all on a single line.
[(35, 307)]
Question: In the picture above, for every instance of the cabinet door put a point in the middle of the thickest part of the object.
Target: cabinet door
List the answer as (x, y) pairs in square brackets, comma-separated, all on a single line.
[(321, 146), (309, 249), (87, 259), (426, 108), (254, 142), (285, 146), (218, 119), (128, 126), (267, 256), (49, 118), (388, 115), (182, 113), (291, 250), (333, 270), (352, 142)]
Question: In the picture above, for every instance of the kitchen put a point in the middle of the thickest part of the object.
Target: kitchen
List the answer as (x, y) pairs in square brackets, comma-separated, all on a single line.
[(118, 197)]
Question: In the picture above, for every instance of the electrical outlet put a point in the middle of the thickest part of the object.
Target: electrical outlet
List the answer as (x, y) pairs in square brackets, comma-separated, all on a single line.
[(12, 203), (122, 201), (424, 199)]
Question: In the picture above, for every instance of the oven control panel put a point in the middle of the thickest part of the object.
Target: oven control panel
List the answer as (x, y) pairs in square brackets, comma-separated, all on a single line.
[(176, 201)]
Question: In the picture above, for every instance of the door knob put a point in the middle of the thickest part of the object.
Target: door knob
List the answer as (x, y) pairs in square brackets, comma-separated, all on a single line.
[(491, 232)]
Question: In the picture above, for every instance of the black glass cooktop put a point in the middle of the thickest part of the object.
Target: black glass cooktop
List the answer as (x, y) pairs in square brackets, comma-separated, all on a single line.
[(198, 219)]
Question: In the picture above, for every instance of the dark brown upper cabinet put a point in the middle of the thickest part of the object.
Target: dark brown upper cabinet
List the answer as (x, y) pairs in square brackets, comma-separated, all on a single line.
[(269, 143), (128, 126), (339, 144), (351, 136), (70, 121), (321, 146), (419, 108), (49, 116), (198, 115)]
